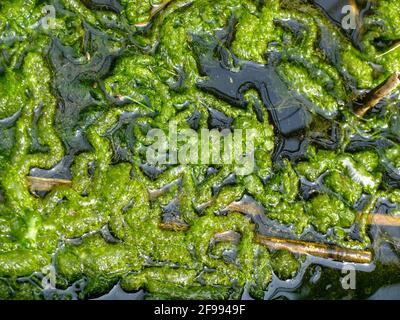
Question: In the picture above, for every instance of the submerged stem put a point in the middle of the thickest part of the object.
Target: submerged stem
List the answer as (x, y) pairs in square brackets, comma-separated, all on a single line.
[(252, 208), (395, 47), (384, 220), (315, 249), (377, 94)]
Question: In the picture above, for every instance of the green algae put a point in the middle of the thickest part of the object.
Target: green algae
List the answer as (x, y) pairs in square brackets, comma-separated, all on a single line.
[(66, 227)]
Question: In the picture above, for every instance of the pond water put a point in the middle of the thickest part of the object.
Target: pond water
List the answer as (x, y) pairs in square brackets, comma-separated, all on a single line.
[(85, 215)]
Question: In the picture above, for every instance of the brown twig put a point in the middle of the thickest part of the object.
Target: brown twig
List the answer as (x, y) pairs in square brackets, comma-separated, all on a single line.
[(377, 94), (315, 249), (394, 47), (384, 220), (253, 208), (46, 184)]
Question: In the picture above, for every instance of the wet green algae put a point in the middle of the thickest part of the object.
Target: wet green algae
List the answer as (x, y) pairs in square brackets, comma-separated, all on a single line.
[(64, 229)]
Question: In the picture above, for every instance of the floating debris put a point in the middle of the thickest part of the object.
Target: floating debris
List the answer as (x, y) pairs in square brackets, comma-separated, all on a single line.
[(379, 93), (315, 249), (384, 220)]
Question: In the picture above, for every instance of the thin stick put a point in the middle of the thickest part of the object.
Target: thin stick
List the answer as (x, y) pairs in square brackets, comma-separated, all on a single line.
[(376, 95), (253, 208), (396, 46), (296, 246), (315, 249), (384, 220), (46, 184)]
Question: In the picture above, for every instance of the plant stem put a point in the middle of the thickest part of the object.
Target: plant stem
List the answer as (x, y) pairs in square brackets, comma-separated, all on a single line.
[(315, 249), (377, 94)]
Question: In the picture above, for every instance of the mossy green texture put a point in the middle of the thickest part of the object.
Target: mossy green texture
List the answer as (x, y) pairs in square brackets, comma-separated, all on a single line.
[(105, 227)]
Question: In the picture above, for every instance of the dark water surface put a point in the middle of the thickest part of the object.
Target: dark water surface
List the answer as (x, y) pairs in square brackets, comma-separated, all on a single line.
[(317, 278)]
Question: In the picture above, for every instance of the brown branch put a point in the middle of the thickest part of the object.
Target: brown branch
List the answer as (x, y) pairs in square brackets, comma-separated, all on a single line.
[(384, 220), (46, 184), (377, 94), (315, 249), (253, 208), (296, 246)]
